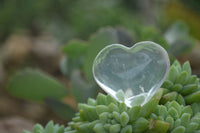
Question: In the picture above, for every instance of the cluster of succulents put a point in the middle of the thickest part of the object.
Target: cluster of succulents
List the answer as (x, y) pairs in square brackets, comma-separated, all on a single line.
[(181, 85), (173, 109), (49, 128)]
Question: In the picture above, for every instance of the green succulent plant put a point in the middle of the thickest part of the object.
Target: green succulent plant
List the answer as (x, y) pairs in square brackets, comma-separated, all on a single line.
[(175, 108), (181, 85), (49, 128)]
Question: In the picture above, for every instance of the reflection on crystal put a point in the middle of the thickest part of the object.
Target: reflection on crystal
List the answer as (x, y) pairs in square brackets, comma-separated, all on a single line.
[(128, 92), (136, 72)]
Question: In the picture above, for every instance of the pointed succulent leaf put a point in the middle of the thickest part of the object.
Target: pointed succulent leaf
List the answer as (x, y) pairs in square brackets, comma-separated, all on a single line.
[(188, 89), (49, 127), (84, 128), (134, 113), (90, 112), (98, 128), (140, 125), (124, 119), (173, 73), (187, 109), (92, 102), (107, 126), (150, 106), (122, 107), (193, 80), (167, 84), (115, 128), (101, 99), (169, 97), (159, 126), (170, 120), (191, 127), (186, 67), (120, 95), (177, 123), (180, 100), (176, 106), (185, 119), (196, 118), (176, 87), (173, 112), (38, 128), (113, 107), (163, 111), (165, 91), (192, 98), (177, 64), (127, 129), (25, 131), (179, 129), (110, 100), (93, 123), (104, 117), (101, 108), (195, 108), (116, 116), (182, 77)]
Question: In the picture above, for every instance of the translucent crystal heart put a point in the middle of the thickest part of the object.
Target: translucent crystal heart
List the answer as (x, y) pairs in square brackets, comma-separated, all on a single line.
[(138, 72)]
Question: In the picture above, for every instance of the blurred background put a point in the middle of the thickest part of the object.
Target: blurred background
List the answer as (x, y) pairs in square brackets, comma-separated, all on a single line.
[(47, 48)]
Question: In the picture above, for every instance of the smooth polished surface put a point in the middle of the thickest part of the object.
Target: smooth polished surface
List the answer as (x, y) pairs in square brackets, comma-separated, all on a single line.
[(138, 71)]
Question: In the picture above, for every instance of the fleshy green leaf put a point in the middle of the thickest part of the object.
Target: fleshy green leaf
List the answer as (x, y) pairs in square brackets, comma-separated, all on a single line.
[(97, 42), (81, 89), (140, 125), (179, 129), (61, 109), (124, 118), (192, 98), (35, 85), (74, 48), (159, 126)]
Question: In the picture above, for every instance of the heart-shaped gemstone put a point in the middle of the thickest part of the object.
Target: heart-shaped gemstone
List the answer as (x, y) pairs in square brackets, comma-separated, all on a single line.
[(138, 72)]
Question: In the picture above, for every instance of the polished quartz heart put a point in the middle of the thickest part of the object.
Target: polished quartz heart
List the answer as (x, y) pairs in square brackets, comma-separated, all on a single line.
[(136, 72)]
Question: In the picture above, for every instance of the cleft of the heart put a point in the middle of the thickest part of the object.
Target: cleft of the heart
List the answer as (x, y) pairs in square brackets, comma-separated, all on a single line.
[(137, 72)]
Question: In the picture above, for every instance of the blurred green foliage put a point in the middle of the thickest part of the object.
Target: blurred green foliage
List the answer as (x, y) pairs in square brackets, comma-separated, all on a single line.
[(67, 19), (186, 11), (35, 85), (77, 67), (64, 19)]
